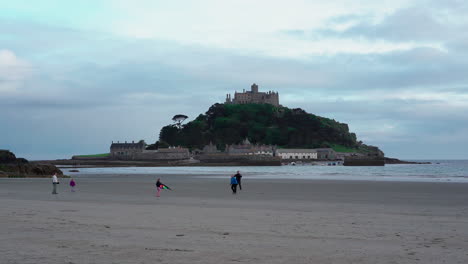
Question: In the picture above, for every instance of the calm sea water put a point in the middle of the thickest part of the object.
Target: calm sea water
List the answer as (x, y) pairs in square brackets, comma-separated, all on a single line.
[(438, 171)]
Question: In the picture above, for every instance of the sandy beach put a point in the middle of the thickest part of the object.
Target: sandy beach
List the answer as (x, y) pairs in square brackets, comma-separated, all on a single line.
[(119, 220)]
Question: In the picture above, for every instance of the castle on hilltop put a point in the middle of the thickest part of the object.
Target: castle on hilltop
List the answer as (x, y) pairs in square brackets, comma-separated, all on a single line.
[(254, 97)]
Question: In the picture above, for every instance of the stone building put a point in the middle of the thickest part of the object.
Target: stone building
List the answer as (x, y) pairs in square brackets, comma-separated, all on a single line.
[(326, 154), (210, 149), (247, 148), (126, 150), (244, 148), (307, 154), (254, 97), (297, 154), (137, 151)]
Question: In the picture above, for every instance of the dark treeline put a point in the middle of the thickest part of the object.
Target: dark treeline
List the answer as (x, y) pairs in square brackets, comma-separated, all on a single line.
[(262, 124)]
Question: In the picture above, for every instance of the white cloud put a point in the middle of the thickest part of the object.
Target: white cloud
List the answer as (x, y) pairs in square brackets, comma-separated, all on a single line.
[(249, 27), (12, 71)]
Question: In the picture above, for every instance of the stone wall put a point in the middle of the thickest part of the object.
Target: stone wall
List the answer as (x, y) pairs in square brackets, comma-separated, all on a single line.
[(223, 157), (89, 158), (162, 155), (364, 161)]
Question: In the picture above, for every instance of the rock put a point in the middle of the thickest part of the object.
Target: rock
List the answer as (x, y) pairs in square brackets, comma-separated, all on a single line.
[(19, 167), (33, 170), (397, 161), (6, 156), (21, 160)]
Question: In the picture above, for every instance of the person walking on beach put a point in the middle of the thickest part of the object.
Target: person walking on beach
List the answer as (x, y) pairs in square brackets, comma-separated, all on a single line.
[(54, 183), (238, 178), (72, 184), (233, 184)]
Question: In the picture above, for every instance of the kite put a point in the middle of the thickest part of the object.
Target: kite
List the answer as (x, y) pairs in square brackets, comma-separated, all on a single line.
[(164, 187)]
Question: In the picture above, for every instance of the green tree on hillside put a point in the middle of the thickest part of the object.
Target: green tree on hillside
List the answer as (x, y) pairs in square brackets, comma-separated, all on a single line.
[(179, 119), (261, 124)]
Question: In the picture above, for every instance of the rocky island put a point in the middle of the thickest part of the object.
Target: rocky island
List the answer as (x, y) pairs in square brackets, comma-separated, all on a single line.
[(250, 129)]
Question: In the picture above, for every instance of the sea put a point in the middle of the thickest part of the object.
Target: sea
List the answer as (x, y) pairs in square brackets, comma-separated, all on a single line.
[(437, 171)]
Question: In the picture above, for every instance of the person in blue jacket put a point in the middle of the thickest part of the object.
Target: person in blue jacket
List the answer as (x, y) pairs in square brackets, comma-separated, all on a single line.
[(233, 184)]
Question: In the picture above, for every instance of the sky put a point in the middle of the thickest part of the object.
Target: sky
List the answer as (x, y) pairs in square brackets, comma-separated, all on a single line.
[(77, 75)]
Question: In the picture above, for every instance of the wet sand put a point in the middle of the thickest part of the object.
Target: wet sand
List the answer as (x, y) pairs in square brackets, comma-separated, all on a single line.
[(119, 220)]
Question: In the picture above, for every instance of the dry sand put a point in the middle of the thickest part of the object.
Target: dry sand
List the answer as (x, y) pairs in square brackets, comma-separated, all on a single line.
[(118, 220)]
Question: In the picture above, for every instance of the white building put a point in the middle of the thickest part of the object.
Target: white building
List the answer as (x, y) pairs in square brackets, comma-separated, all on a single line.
[(297, 154), (247, 148)]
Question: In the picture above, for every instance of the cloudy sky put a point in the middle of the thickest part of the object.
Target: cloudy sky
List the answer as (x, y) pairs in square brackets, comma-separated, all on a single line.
[(75, 75)]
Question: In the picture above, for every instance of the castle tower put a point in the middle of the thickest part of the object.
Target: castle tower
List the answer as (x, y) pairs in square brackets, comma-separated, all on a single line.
[(254, 88)]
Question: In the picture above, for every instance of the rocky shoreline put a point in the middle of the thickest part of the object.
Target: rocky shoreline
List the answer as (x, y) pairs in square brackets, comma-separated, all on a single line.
[(13, 167), (397, 161)]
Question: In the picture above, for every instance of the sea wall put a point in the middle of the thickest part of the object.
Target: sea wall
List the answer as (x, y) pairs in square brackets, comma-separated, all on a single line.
[(363, 161), (89, 158), (249, 160), (156, 155)]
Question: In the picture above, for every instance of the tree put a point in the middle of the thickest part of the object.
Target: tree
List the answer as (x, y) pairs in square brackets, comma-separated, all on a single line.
[(157, 145), (170, 134), (179, 119), (261, 124)]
